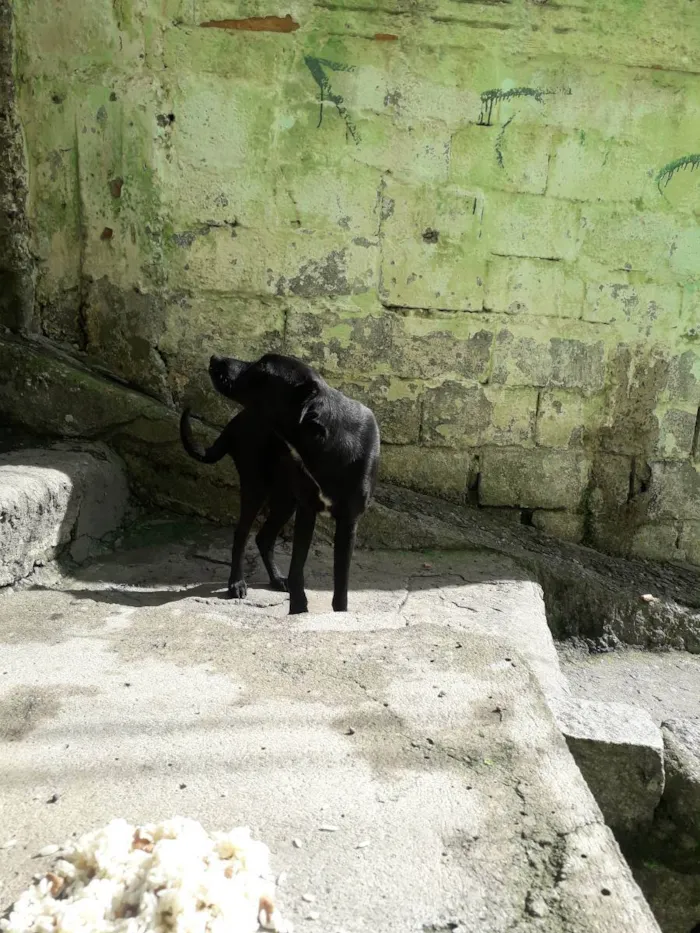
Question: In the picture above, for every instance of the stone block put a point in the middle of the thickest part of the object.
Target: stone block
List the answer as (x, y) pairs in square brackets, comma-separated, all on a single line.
[(196, 327), (610, 481), (665, 246), (314, 270), (458, 415), (567, 418), (620, 752), (533, 479), (532, 286), (395, 403), (334, 196), (455, 415), (339, 337), (49, 136), (529, 355), (674, 896), (657, 541), (650, 308), (417, 154), (690, 541), (684, 258), (509, 157), (118, 138), (530, 226), (63, 42), (682, 760), (675, 491), (226, 53), (682, 386), (439, 472), (613, 516), (513, 413), (431, 255), (442, 345), (676, 433), (564, 525), (123, 327), (220, 142), (273, 261), (590, 166), (58, 498)]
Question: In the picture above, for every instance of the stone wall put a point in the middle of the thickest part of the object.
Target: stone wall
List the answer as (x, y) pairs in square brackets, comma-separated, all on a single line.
[(16, 263), (480, 217)]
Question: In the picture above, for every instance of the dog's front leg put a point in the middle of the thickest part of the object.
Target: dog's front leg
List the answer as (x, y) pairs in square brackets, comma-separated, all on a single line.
[(304, 525), (343, 546)]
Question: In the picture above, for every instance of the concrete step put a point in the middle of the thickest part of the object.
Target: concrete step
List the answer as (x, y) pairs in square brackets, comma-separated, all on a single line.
[(67, 497), (412, 724)]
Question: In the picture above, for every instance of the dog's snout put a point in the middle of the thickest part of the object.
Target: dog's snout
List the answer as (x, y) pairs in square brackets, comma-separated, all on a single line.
[(224, 372)]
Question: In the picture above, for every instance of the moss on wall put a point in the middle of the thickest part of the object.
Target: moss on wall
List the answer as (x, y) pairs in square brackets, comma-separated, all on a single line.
[(16, 264), (480, 218)]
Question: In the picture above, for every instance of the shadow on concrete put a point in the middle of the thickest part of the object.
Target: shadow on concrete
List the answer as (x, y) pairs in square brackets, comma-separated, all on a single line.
[(169, 560)]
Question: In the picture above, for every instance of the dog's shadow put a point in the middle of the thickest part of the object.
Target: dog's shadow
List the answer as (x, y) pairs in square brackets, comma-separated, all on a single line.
[(164, 573)]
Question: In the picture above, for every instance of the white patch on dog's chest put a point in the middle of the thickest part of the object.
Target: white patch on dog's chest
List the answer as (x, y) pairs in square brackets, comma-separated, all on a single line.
[(325, 502)]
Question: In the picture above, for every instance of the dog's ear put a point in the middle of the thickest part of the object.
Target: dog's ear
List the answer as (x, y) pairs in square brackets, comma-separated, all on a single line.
[(309, 416), (311, 423)]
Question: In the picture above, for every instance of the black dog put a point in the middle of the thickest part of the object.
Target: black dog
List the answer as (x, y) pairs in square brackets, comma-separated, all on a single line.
[(301, 446)]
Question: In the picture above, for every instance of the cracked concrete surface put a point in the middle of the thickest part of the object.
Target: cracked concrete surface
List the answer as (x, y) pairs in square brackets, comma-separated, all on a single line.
[(413, 724)]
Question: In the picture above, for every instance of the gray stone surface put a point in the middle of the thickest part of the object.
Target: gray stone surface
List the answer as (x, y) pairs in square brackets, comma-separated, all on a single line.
[(468, 590), (17, 258), (664, 683), (590, 595), (620, 752), (682, 755), (676, 491), (673, 896), (542, 479), (132, 689), (63, 497)]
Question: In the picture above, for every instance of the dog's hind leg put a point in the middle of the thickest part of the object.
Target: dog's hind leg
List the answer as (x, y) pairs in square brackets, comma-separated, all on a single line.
[(252, 500), (304, 525), (343, 546), (282, 508)]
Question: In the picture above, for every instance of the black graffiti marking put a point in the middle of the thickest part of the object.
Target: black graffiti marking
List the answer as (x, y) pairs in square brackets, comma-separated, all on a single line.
[(496, 95), (316, 67), (499, 141), (665, 174)]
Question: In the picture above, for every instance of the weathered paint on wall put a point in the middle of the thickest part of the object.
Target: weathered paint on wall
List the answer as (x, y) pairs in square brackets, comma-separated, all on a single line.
[(482, 218)]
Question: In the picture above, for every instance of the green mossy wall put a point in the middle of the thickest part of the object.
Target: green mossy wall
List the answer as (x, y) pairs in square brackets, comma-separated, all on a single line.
[(480, 217)]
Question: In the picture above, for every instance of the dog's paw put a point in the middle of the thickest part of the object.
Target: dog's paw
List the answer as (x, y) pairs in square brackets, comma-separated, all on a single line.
[(340, 605), (279, 583), (296, 609), (238, 589)]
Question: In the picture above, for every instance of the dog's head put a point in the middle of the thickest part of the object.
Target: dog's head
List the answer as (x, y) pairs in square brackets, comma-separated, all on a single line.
[(282, 389)]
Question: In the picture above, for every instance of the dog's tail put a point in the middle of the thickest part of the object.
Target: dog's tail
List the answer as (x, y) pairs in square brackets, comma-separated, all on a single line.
[(213, 454)]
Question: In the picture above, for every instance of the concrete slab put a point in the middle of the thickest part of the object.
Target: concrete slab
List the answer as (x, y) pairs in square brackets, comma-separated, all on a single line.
[(620, 752), (473, 590), (682, 794), (67, 496), (419, 769)]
